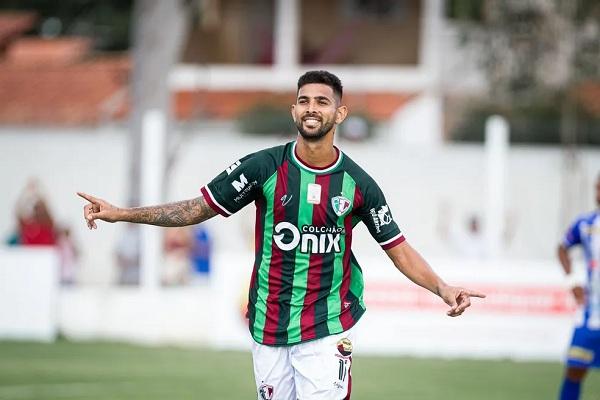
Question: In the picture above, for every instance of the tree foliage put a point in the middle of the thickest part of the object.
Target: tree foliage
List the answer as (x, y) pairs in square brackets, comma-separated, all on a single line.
[(535, 54)]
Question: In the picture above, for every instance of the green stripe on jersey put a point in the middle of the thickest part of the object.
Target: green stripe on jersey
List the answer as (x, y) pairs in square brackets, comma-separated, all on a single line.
[(356, 284), (263, 270), (305, 216), (334, 303)]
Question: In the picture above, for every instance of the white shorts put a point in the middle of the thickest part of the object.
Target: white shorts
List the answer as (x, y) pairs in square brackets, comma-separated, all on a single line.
[(315, 370)]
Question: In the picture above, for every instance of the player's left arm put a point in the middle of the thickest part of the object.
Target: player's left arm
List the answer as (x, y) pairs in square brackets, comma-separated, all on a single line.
[(414, 267)]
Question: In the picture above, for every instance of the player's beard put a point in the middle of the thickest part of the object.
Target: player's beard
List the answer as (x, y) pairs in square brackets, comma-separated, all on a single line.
[(314, 136)]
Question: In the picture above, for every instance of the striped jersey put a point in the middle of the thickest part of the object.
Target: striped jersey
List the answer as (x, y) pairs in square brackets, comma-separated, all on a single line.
[(306, 283), (585, 232)]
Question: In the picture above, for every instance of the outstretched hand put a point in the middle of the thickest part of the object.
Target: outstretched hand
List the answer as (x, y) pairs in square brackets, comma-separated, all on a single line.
[(98, 209), (458, 299)]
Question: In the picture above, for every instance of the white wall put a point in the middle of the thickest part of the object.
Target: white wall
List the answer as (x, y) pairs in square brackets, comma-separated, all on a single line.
[(421, 185), (528, 313), (28, 294)]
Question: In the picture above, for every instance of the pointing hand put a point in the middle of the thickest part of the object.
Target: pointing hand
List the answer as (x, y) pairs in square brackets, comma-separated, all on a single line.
[(98, 209), (458, 299)]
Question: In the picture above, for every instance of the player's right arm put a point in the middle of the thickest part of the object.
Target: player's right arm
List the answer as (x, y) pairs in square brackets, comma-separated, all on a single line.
[(180, 213), (572, 238)]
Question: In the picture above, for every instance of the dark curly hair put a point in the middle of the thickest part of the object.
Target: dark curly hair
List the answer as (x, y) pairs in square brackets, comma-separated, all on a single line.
[(324, 77)]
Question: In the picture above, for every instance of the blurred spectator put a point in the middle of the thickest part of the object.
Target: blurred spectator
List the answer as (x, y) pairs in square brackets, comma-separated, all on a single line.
[(466, 241), (128, 256), (35, 223), (68, 253), (177, 263), (469, 241), (201, 251)]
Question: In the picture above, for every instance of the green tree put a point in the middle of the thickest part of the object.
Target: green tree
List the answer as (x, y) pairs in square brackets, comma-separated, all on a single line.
[(534, 53)]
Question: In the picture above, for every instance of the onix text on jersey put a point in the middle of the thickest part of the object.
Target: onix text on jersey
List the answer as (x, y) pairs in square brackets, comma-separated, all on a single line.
[(312, 239)]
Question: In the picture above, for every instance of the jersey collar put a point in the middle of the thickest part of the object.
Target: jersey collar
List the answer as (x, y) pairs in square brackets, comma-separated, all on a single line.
[(313, 169)]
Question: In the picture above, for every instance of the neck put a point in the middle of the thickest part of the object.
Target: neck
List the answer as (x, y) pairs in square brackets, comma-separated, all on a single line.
[(319, 154)]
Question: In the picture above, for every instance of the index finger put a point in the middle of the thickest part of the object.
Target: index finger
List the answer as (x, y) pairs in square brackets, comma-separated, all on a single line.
[(473, 293), (88, 197)]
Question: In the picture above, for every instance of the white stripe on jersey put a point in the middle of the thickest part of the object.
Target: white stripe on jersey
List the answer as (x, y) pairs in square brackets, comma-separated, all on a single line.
[(398, 236), (215, 201)]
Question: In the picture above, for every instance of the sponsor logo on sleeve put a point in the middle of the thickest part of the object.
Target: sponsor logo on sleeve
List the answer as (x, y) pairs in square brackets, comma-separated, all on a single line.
[(241, 184), (381, 217), (233, 166), (246, 190), (384, 215)]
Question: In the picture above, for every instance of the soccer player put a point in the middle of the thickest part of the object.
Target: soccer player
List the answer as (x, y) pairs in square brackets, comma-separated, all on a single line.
[(584, 351), (306, 291)]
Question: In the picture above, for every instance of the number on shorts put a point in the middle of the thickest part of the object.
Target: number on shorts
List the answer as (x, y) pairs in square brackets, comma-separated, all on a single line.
[(343, 372)]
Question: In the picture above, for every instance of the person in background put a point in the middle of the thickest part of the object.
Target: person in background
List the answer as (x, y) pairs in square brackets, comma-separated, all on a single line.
[(584, 351), (69, 255), (177, 265), (128, 256), (35, 222), (201, 251), (464, 239)]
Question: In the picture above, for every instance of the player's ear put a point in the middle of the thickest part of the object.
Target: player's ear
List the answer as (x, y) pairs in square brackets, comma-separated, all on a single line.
[(340, 114), (292, 109)]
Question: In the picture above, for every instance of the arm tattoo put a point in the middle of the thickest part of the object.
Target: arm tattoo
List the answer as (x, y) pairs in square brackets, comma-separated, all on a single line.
[(181, 213)]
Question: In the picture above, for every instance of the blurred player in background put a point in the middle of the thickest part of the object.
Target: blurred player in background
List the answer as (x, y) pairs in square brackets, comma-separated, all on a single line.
[(306, 289), (584, 351)]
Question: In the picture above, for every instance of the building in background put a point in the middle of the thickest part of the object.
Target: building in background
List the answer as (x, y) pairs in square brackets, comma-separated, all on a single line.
[(238, 55)]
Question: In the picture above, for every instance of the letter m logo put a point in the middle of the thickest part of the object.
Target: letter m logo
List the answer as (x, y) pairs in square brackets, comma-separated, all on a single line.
[(239, 185)]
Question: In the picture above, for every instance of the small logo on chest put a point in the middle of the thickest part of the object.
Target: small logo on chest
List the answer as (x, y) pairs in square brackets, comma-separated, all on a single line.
[(285, 199), (313, 194)]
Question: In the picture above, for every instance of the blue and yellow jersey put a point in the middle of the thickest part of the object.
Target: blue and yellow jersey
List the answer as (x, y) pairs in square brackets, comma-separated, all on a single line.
[(585, 232)]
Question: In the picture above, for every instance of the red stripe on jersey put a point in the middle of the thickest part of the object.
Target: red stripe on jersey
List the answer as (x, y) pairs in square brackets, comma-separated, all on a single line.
[(313, 283), (346, 316), (394, 243), (211, 203), (272, 317)]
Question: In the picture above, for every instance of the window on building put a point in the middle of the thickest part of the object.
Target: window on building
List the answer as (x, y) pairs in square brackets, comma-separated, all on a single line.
[(375, 32), (231, 32)]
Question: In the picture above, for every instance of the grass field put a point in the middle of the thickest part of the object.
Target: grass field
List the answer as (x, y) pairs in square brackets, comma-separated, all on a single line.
[(111, 371)]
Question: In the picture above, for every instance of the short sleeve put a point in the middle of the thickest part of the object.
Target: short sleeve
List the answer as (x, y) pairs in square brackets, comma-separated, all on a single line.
[(377, 216), (573, 235), (235, 187)]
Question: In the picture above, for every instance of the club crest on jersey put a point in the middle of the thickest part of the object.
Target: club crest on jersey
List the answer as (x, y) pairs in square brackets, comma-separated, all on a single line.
[(340, 205), (265, 391)]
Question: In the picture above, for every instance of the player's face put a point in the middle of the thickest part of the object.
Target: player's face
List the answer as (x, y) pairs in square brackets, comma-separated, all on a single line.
[(316, 111)]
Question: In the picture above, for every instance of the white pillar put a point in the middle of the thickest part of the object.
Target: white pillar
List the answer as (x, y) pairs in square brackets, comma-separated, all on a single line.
[(287, 34), (496, 150), (430, 46), (152, 172)]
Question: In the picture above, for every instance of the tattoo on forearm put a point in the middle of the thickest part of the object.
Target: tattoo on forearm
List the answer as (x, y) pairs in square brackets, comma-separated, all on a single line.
[(181, 213)]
